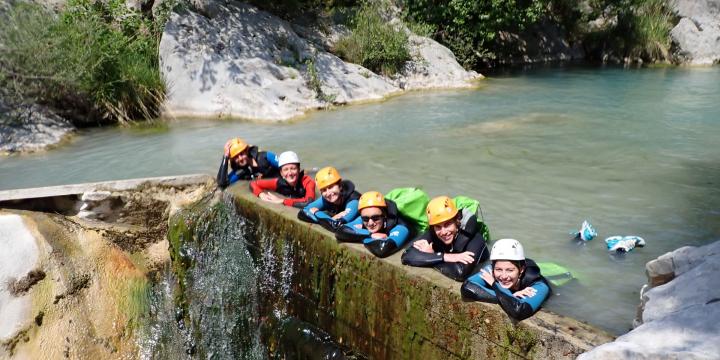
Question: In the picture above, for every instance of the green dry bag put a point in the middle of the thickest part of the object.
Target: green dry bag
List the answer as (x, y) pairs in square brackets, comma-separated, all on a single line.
[(411, 203), (464, 202)]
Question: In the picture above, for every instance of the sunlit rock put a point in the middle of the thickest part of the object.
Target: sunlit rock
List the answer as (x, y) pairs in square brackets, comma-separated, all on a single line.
[(697, 34), (679, 319)]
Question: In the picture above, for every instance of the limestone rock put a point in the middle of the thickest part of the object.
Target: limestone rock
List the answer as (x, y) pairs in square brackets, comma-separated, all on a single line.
[(433, 66), (29, 127), (246, 63), (679, 319), (697, 34)]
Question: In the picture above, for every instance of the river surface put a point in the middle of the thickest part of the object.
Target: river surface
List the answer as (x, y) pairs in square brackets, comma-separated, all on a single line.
[(636, 152)]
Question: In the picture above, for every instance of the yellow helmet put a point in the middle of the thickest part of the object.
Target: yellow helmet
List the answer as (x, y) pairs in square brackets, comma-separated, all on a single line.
[(441, 209), (370, 199), (237, 145), (326, 177)]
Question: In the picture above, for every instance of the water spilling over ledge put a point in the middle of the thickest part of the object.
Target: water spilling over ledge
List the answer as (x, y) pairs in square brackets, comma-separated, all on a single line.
[(383, 309), (250, 281)]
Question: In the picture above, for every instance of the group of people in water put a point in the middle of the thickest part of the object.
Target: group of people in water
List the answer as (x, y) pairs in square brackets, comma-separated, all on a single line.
[(453, 244)]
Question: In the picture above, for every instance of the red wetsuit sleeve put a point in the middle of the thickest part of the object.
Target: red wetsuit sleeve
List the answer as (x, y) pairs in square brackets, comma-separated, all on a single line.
[(309, 185), (261, 185)]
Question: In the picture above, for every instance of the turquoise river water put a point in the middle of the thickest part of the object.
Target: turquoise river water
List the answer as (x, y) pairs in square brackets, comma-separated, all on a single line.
[(634, 151)]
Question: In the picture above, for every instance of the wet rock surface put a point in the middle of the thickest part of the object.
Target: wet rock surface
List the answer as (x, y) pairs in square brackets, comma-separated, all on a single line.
[(29, 127), (697, 34), (78, 289), (679, 317), (233, 60)]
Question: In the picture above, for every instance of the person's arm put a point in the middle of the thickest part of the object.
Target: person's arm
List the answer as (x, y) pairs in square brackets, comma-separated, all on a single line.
[(415, 257), (222, 175), (459, 271), (351, 210), (317, 204), (350, 232), (521, 309), (309, 186), (386, 247), (475, 288), (258, 186)]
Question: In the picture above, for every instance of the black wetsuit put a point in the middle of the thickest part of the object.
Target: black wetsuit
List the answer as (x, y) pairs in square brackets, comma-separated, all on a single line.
[(519, 309), (468, 238), (265, 168)]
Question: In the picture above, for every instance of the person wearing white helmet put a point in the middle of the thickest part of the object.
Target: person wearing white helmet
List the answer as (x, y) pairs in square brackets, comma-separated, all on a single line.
[(293, 186), (511, 280)]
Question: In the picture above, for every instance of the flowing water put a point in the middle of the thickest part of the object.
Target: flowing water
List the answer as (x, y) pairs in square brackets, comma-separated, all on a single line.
[(634, 151)]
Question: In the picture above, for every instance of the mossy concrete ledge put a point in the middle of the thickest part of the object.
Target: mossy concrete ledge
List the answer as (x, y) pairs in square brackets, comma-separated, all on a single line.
[(390, 311)]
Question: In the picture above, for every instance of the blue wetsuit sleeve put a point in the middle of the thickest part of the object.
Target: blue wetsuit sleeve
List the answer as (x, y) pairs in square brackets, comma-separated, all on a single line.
[(318, 203), (352, 209), (521, 309), (233, 177), (272, 159), (385, 247)]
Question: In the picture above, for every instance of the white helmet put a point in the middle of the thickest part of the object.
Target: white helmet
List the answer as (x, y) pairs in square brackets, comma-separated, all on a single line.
[(507, 249), (288, 157)]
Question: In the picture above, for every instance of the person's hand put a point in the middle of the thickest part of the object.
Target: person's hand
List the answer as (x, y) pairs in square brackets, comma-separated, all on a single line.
[(313, 210), (340, 215), (487, 277), (525, 293), (463, 257), (270, 197), (423, 245), (228, 144), (379, 236)]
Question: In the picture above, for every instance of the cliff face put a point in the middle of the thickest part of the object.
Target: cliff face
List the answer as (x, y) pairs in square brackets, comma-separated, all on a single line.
[(697, 34), (234, 60)]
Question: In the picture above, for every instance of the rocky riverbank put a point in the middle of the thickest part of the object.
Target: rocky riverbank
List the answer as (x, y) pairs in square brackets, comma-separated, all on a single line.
[(234, 60), (75, 286), (679, 314)]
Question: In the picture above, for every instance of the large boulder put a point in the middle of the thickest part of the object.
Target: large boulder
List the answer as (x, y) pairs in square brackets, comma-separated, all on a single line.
[(29, 127), (697, 34), (679, 318), (238, 61)]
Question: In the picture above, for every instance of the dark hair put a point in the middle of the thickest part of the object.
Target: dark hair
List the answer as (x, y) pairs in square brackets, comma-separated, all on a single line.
[(520, 264)]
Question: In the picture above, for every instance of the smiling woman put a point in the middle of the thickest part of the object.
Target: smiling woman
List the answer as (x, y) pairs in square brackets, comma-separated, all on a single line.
[(512, 281), (293, 186)]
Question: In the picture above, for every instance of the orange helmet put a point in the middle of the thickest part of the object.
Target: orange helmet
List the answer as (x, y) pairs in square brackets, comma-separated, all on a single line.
[(326, 177), (370, 199), (237, 145), (441, 209)]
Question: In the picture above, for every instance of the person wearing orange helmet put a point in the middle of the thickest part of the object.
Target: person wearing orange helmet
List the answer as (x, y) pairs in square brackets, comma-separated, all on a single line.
[(337, 204), (246, 163), (454, 244), (379, 227), (292, 188)]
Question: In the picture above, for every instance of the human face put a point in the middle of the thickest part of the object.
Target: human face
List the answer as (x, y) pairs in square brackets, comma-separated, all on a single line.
[(370, 213), (243, 158), (331, 193), (506, 273), (447, 230), (290, 173)]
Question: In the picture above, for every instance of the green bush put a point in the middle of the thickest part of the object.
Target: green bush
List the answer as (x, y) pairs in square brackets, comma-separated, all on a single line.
[(471, 28), (374, 43), (642, 30), (96, 62)]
